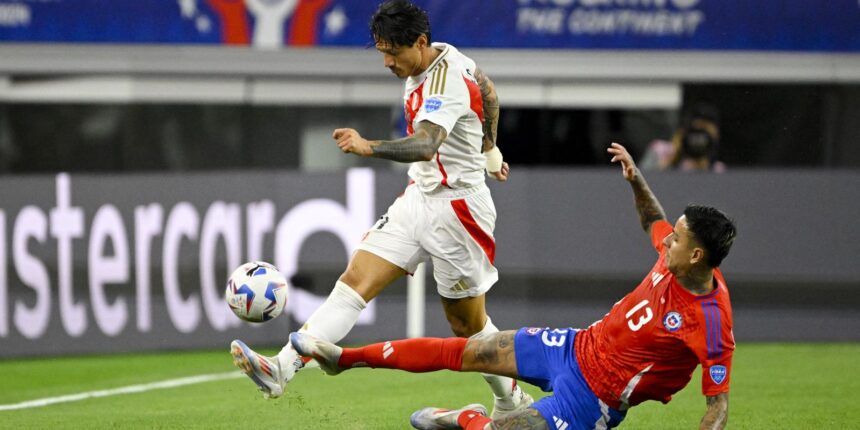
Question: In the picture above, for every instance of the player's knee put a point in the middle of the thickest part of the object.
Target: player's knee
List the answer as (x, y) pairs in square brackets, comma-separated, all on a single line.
[(350, 278), (464, 328)]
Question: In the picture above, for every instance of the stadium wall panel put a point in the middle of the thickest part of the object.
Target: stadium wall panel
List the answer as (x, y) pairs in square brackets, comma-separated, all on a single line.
[(114, 263)]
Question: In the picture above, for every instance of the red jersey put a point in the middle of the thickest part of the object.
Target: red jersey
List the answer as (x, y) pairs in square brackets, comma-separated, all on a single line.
[(649, 343)]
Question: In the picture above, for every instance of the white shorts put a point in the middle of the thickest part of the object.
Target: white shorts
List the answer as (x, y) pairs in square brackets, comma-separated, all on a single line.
[(453, 228)]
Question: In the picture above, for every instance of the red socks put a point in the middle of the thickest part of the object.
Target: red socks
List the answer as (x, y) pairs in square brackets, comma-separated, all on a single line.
[(472, 420), (412, 355)]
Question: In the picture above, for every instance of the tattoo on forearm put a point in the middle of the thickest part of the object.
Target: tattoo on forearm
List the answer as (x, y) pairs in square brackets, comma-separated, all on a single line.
[(421, 146), (647, 205), (717, 414), (529, 419), (491, 109), (496, 350)]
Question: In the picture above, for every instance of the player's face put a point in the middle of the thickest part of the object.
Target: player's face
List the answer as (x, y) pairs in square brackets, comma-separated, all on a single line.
[(403, 61), (680, 248)]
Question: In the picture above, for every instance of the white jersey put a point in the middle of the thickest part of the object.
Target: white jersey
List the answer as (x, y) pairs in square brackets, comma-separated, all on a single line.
[(448, 95)]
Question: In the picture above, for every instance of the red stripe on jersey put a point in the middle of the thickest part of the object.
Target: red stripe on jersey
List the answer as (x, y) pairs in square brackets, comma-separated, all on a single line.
[(482, 238), (413, 105), (442, 171), (475, 99)]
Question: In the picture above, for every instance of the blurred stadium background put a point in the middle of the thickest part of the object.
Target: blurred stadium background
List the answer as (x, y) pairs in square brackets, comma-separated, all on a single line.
[(148, 147)]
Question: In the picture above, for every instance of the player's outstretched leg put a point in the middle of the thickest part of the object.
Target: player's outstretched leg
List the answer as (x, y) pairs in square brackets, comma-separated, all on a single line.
[(267, 372), (469, 417), (325, 353)]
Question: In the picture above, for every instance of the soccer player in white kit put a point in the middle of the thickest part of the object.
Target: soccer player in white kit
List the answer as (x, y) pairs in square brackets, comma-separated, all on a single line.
[(446, 214)]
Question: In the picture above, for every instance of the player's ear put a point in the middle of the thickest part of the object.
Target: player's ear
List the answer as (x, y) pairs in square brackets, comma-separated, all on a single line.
[(697, 256), (421, 42)]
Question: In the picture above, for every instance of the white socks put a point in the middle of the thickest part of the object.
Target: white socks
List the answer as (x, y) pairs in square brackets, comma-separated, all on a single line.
[(502, 386), (332, 321)]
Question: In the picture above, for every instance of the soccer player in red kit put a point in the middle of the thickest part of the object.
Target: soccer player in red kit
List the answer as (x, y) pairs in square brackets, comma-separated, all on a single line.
[(645, 348)]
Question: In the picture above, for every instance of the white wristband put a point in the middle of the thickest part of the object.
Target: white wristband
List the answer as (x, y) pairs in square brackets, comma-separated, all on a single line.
[(494, 160)]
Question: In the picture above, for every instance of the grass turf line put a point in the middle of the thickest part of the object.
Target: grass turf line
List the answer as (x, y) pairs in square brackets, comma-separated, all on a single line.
[(787, 386)]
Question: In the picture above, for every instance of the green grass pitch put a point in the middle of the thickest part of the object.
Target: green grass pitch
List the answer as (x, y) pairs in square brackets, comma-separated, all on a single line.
[(774, 386)]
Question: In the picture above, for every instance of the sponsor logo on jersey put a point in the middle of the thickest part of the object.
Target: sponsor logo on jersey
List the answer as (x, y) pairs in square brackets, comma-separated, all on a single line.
[(718, 374), (432, 105), (672, 321)]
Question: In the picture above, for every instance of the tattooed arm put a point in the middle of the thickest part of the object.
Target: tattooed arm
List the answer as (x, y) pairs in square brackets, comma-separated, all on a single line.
[(718, 412), (421, 146), (491, 109), (647, 204), (491, 124)]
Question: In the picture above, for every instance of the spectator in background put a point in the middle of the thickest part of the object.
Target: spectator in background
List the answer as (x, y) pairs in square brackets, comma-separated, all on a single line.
[(694, 147)]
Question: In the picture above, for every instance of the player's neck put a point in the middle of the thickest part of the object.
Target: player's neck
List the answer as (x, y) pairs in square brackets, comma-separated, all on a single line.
[(698, 282), (429, 56)]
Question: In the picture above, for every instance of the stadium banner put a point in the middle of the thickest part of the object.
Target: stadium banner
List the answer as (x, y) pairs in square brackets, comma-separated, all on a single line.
[(133, 262), (750, 25), (99, 264)]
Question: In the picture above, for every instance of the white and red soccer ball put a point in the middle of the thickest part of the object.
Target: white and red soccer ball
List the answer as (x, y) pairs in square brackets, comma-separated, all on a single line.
[(256, 292)]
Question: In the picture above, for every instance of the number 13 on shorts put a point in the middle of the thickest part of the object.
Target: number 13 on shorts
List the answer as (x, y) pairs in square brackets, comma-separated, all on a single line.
[(555, 337)]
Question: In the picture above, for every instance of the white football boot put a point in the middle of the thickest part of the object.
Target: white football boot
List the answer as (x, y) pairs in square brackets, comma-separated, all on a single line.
[(437, 418), (271, 378), (325, 353), (521, 400)]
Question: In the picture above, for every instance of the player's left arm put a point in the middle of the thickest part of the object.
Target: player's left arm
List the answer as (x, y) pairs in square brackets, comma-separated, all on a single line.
[(649, 208), (491, 109), (490, 100), (421, 146), (717, 414), (716, 359)]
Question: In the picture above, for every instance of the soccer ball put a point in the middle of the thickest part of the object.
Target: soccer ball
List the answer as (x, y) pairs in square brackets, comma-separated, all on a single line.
[(256, 292)]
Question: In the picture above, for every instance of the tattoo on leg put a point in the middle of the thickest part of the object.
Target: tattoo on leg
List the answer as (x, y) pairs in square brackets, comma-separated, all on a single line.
[(496, 349), (530, 419)]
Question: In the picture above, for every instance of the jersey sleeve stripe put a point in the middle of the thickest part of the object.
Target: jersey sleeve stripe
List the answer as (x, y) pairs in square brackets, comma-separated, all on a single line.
[(709, 327), (717, 330), (712, 326), (440, 77), (433, 80), (444, 75)]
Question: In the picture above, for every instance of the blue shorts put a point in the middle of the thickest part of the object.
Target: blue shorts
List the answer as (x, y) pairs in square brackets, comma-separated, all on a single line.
[(545, 358)]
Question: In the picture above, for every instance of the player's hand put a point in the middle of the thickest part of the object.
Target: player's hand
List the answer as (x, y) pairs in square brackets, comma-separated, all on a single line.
[(502, 175), (620, 155), (348, 140)]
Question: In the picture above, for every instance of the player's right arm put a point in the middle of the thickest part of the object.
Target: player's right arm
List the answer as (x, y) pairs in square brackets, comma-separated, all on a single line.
[(421, 146), (647, 205)]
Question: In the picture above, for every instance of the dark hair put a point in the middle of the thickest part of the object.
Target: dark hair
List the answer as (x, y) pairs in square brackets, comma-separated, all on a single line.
[(713, 229), (399, 23)]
